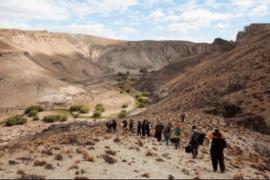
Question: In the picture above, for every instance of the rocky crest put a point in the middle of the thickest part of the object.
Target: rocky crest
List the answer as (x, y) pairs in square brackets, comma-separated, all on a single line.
[(251, 30)]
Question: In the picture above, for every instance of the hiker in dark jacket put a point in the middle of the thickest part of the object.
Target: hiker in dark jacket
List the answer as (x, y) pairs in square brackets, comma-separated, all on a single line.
[(217, 145), (143, 127), (114, 124), (131, 122), (183, 117), (148, 128), (192, 143), (125, 124), (167, 133), (159, 129), (139, 128), (109, 126)]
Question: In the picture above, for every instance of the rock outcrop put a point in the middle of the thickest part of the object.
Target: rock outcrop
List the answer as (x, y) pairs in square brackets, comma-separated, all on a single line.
[(252, 29)]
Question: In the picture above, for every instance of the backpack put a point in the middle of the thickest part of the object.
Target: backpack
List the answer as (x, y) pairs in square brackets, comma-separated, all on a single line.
[(177, 131), (199, 138)]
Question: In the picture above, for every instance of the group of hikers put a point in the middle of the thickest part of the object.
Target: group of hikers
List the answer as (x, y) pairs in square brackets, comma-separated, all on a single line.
[(174, 133)]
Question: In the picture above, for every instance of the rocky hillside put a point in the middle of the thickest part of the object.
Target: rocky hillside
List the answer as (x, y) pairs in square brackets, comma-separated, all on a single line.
[(37, 65), (252, 29), (229, 80)]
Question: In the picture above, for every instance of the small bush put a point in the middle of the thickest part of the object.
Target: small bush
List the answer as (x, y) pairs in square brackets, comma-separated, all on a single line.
[(100, 107), (109, 159), (125, 105), (146, 93), (128, 90), (52, 118), (40, 163), (16, 120), (76, 115), (83, 109), (142, 105), (96, 114), (33, 113), (63, 118), (36, 118), (38, 108), (111, 152), (58, 157), (123, 114)]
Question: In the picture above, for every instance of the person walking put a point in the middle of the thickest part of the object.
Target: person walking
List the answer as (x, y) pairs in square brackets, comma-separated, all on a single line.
[(131, 122), (114, 125), (193, 143), (167, 133), (176, 134), (217, 146), (159, 129), (125, 124), (147, 128), (183, 117), (139, 128)]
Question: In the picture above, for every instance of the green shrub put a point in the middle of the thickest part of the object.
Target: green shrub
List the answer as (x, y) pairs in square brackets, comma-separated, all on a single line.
[(121, 92), (128, 90), (99, 107), (84, 109), (52, 118), (63, 118), (121, 85), (76, 115), (33, 113), (97, 114), (138, 96), (75, 108), (142, 105), (146, 93), (38, 108), (16, 120), (125, 105), (123, 114), (144, 100), (35, 118)]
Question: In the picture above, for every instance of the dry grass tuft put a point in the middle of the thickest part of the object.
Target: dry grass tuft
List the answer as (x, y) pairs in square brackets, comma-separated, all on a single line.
[(238, 176), (140, 143), (40, 163), (12, 162), (111, 152), (184, 170), (197, 178), (47, 152), (109, 159), (80, 177), (49, 167), (58, 157), (148, 153), (20, 172), (88, 157), (170, 177), (75, 166), (159, 160), (146, 175), (116, 140), (32, 176)]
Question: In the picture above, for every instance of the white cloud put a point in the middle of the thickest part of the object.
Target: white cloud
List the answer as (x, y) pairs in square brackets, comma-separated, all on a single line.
[(128, 31), (195, 19), (33, 9), (222, 25), (156, 14), (160, 28), (261, 10)]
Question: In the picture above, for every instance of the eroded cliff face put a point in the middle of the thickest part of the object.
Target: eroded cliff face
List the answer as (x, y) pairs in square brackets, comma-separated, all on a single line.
[(251, 30)]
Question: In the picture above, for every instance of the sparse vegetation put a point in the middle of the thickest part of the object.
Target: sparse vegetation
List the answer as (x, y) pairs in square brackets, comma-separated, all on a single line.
[(125, 105), (83, 109), (36, 118), (38, 108), (52, 118), (110, 152), (16, 120), (146, 93), (109, 159), (123, 114), (99, 109), (32, 113)]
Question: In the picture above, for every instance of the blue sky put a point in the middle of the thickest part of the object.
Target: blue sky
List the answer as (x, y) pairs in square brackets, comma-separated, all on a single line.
[(191, 20)]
